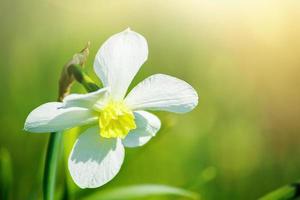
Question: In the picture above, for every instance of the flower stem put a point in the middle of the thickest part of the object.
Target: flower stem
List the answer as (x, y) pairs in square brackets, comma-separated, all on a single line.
[(51, 165)]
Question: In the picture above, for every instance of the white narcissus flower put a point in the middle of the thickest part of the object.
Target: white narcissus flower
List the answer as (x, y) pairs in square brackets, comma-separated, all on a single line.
[(116, 120)]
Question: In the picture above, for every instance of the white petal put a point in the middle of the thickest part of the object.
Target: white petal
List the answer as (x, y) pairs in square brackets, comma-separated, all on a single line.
[(163, 92), (147, 126), (119, 59), (51, 117), (94, 160), (86, 100)]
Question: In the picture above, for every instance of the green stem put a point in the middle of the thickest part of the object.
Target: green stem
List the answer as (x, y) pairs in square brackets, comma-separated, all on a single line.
[(51, 165)]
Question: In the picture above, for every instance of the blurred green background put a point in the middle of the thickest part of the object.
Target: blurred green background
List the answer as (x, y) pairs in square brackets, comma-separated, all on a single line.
[(243, 58)]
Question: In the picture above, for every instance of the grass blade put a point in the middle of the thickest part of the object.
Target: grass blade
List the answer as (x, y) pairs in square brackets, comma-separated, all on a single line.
[(140, 191), (288, 192), (5, 174)]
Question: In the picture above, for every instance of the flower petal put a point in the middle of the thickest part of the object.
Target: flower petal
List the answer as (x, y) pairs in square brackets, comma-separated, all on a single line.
[(86, 100), (51, 117), (94, 160), (119, 59), (163, 92), (147, 126)]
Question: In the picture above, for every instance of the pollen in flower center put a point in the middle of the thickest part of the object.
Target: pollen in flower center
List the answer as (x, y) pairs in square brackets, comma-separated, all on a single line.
[(116, 120)]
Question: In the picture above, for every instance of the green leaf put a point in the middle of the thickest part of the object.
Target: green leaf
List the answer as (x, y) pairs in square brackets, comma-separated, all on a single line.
[(5, 174), (140, 191), (287, 192)]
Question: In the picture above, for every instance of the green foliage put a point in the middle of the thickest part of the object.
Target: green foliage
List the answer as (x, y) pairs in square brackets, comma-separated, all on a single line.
[(139, 192), (288, 192), (6, 177)]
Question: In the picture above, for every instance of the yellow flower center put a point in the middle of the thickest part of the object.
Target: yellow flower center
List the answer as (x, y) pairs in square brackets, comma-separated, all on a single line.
[(116, 120)]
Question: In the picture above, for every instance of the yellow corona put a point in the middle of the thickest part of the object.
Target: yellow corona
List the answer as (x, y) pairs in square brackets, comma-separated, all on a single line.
[(116, 120)]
